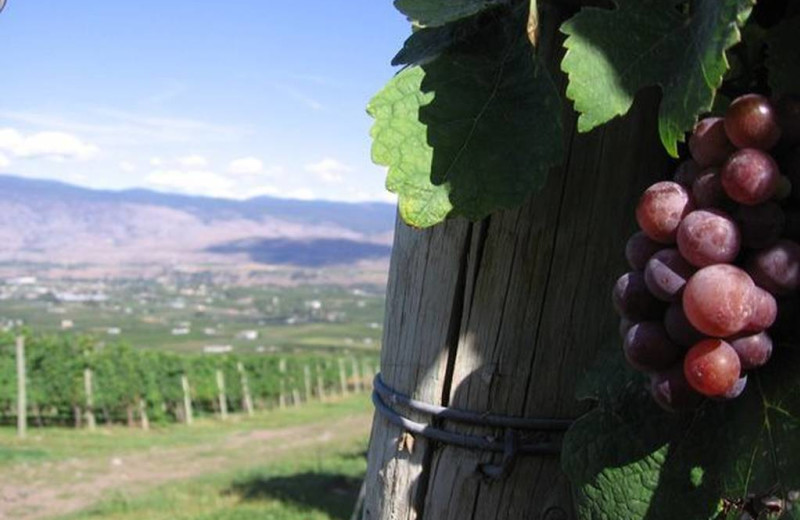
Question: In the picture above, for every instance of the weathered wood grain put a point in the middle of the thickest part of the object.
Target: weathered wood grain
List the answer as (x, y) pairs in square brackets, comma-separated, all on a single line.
[(504, 315)]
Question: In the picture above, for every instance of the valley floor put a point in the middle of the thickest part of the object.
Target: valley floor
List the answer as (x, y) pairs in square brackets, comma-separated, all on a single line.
[(303, 463)]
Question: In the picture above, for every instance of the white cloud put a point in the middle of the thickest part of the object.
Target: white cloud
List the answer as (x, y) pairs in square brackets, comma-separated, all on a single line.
[(4, 161), (246, 166), (155, 161), (51, 145), (301, 194), (193, 161), (329, 170), (194, 182), (127, 166)]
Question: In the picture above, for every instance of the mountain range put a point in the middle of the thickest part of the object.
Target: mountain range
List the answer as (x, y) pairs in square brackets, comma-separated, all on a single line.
[(52, 222)]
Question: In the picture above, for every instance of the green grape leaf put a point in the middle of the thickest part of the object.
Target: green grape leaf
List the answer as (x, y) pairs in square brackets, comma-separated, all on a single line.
[(428, 43), (439, 12), (470, 132), (612, 54), (783, 57), (630, 460)]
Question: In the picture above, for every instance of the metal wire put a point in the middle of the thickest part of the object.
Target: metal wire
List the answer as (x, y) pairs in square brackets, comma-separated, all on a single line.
[(522, 436)]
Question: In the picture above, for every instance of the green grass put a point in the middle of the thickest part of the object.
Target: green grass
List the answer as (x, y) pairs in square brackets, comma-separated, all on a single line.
[(297, 486), (52, 444)]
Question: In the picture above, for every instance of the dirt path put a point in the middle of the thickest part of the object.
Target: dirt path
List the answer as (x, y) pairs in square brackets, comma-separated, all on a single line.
[(63, 487)]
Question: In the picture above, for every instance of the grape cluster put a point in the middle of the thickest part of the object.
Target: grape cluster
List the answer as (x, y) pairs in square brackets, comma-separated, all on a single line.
[(716, 266)]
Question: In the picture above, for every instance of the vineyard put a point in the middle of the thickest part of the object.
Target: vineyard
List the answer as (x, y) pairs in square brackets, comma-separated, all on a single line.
[(77, 380)]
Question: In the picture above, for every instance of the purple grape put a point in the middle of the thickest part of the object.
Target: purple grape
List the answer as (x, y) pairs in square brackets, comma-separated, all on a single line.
[(777, 268), (751, 122), (707, 237), (666, 273), (708, 192), (648, 348), (687, 172), (750, 176), (639, 249), (709, 144), (761, 225), (736, 390), (672, 391), (678, 327), (765, 310), (632, 299), (624, 326), (754, 350)]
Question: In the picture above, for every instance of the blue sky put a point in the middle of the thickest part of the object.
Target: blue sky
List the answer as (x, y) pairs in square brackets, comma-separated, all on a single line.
[(231, 98)]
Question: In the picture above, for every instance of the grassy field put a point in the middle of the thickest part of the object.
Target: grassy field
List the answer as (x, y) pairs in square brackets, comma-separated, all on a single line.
[(296, 464)]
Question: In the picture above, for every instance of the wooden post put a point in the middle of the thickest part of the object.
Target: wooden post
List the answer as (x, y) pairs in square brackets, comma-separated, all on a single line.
[(87, 387), (246, 397), (22, 406), (307, 383), (358, 383), (282, 395), (342, 377), (143, 418), (187, 400), (505, 315), (223, 401), (320, 383)]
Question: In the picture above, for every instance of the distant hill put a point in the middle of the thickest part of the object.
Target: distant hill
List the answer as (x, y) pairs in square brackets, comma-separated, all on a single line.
[(48, 221)]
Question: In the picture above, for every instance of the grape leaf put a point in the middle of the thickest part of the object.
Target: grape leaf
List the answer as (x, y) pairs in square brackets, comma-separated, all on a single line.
[(428, 43), (612, 54), (472, 131), (783, 56), (439, 12), (630, 460)]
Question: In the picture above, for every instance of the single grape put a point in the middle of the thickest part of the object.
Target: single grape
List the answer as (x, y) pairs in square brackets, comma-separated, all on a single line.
[(751, 122), (666, 274), (648, 348), (750, 176), (632, 299), (777, 268), (709, 144), (707, 237), (712, 367), (624, 326), (761, 225), (754, 350), (678, 327), (788, 109), (686, 173), (660, 210), (639, 249), (765, 310), (707, 191), (717, 300), (735, 391), (672, 391)]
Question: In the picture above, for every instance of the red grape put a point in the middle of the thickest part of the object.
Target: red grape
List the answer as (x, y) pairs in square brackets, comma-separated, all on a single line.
[(777, 268), (709, 144), (686, 173), (750, 176), (660, 210), (751, 122), (717, 300), (672, 391), (648, 348), (707, 190), (761, 225), (753, 350), (765, 310), (666, 274), (639, 249), (712, 367), (632, 299), (707, 237), (678, 327)]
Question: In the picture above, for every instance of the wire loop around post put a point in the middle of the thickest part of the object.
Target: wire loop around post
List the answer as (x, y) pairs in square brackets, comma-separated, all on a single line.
[(522, 436)]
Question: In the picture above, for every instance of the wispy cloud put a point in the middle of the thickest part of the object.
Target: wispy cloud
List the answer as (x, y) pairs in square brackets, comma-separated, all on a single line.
[(329, 170), (298, 96)]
